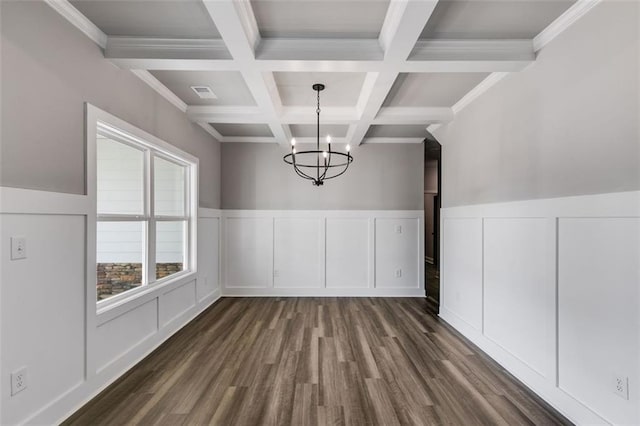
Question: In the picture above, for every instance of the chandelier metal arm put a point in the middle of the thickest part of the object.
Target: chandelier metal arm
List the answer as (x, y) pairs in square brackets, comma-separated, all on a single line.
[(322, 171)]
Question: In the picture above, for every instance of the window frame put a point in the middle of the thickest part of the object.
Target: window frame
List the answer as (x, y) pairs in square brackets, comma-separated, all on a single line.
[(99, 122)]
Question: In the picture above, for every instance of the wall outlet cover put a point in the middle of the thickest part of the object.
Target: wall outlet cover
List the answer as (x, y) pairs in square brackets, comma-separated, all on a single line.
[(621, 386), (18, 381)]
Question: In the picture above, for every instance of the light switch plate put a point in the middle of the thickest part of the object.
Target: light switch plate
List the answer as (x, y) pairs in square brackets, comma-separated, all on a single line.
[(18, 248)]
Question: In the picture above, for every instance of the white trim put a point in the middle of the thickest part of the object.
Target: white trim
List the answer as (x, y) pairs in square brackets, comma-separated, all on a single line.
[(397, 49), (162, 90), (481, 88), (374, 288), (563, 22), (555, 397), (519, 52), (613, 204), (135, 299), (605, 206), (557, 27), (400, 31), (79, 396), (26, 202), (165, 48), (392, 140), (73, 15), (382, 214), (490, 81), (209, 129), (252, 139), (30, 201), (205, 212), (120, 129), (413, 115), (322, 292)]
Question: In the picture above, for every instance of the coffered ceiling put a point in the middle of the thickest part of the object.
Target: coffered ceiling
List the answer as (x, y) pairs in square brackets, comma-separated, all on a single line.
[(391, 67)]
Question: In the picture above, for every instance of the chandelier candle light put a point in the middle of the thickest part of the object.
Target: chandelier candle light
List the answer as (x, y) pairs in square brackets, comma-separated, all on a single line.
[(325, 168)]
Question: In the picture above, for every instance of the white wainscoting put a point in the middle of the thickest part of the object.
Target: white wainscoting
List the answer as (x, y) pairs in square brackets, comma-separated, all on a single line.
[(72, 354), (323, 253), (551, 290)]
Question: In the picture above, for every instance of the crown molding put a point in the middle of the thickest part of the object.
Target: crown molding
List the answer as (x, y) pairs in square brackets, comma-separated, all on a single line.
[(564, 21), (209, 129), (160, 88), (73, 15)]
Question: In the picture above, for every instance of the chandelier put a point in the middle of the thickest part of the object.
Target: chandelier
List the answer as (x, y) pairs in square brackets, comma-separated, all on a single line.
[(318, 165)]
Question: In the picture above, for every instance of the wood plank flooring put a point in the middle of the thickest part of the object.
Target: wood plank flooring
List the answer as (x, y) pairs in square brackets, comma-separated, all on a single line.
[(324, 361)]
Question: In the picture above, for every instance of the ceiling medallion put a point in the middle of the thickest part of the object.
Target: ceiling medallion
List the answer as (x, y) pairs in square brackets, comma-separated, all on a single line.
[(318, 165)]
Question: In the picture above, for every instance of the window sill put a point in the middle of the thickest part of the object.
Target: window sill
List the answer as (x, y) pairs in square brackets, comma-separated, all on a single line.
[(111, 309)]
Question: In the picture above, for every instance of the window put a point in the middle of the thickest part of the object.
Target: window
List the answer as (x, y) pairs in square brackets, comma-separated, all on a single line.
[(145, 203)]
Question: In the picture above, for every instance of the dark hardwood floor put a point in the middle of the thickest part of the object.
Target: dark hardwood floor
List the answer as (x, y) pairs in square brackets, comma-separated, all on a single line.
[(307, 361)]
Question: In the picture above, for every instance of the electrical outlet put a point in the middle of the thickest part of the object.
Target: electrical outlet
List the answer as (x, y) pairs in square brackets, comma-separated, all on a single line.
[(398, 229), (18, 381), (398, 273), (18, 248), (621, 386)]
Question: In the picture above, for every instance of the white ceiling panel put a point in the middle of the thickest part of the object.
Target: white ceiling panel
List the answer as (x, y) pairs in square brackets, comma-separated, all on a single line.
[(243, 130), (229, 86), (158, 19), (341, 88), (397, 131), (431, 89), (309, 130), (496, 19), (320, 19)]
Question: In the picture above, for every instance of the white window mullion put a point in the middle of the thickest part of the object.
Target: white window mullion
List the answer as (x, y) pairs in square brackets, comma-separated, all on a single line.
[(150, 269)]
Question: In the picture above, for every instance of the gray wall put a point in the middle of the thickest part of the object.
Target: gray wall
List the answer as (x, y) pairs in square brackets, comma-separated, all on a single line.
[(567, 125), (382, 177), (49, 69)]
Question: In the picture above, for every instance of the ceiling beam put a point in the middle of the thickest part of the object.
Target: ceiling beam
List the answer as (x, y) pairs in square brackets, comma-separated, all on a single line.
[(319, 49), (309, 55), (397, 50), (330, 115), (393, 140), (413, 115), (402, 27), (165, 48), (473, 50), (239, 30), (226, 114)]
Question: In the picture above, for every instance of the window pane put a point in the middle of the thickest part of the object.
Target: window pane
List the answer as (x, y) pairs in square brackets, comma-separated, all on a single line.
[(170, 250), (169, 193), (120, 173), (120, 257)]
